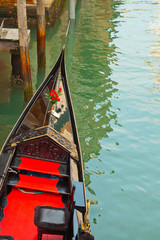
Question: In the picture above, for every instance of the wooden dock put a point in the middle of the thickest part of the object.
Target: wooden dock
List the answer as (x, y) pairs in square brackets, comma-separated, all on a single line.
[(9, 39), (8, 9)]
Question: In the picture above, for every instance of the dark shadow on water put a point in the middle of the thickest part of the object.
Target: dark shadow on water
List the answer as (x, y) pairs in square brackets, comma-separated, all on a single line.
[(41, 73)]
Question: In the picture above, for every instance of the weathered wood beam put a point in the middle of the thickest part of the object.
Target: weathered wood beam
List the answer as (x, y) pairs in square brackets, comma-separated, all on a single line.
[(24, 51), (41, 32)]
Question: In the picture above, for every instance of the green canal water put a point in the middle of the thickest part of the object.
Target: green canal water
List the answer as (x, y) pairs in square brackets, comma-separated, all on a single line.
[(113, 68)]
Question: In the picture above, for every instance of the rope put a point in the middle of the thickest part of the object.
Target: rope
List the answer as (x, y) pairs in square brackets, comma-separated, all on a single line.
[(21, 190), (12, 171)]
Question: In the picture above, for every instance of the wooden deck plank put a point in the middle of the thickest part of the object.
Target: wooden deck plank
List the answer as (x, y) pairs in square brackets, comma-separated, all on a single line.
[(9, 39)]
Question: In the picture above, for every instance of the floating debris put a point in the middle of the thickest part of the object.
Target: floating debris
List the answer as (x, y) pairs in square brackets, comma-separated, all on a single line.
[(93, 201)]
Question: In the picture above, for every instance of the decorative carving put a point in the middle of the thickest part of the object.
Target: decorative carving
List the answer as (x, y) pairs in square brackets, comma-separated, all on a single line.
[(46, 131), (27, 135), (63, 141), (42, 148), (59, 138)]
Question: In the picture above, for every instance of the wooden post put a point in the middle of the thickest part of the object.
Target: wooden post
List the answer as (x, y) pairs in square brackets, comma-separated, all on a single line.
[(24, 51), (71, 9), (41, 22), (16, 76)]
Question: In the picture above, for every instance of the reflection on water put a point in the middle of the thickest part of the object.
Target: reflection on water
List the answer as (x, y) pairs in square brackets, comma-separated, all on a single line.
[(92, 87), (90, 43), (116, 112), (154, 65), (11, 99)]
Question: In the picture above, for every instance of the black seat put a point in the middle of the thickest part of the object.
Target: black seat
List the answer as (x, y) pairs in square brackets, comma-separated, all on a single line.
[(6, 237), (53, 220)]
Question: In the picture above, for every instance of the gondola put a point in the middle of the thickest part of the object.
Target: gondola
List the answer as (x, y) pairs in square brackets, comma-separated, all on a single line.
[(42, 190)]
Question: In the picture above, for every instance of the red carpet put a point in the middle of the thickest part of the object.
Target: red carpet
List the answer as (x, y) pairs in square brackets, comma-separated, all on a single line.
[(37, 183), (36, 165), (19, 214)]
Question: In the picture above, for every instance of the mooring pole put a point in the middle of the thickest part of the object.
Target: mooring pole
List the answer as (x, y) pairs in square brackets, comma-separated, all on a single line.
[(41, 32), (24, 51), (71, 9)]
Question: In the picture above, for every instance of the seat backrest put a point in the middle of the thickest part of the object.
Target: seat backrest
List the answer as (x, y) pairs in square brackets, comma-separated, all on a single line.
[(71, 205), (71, 199), (70, 224)]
